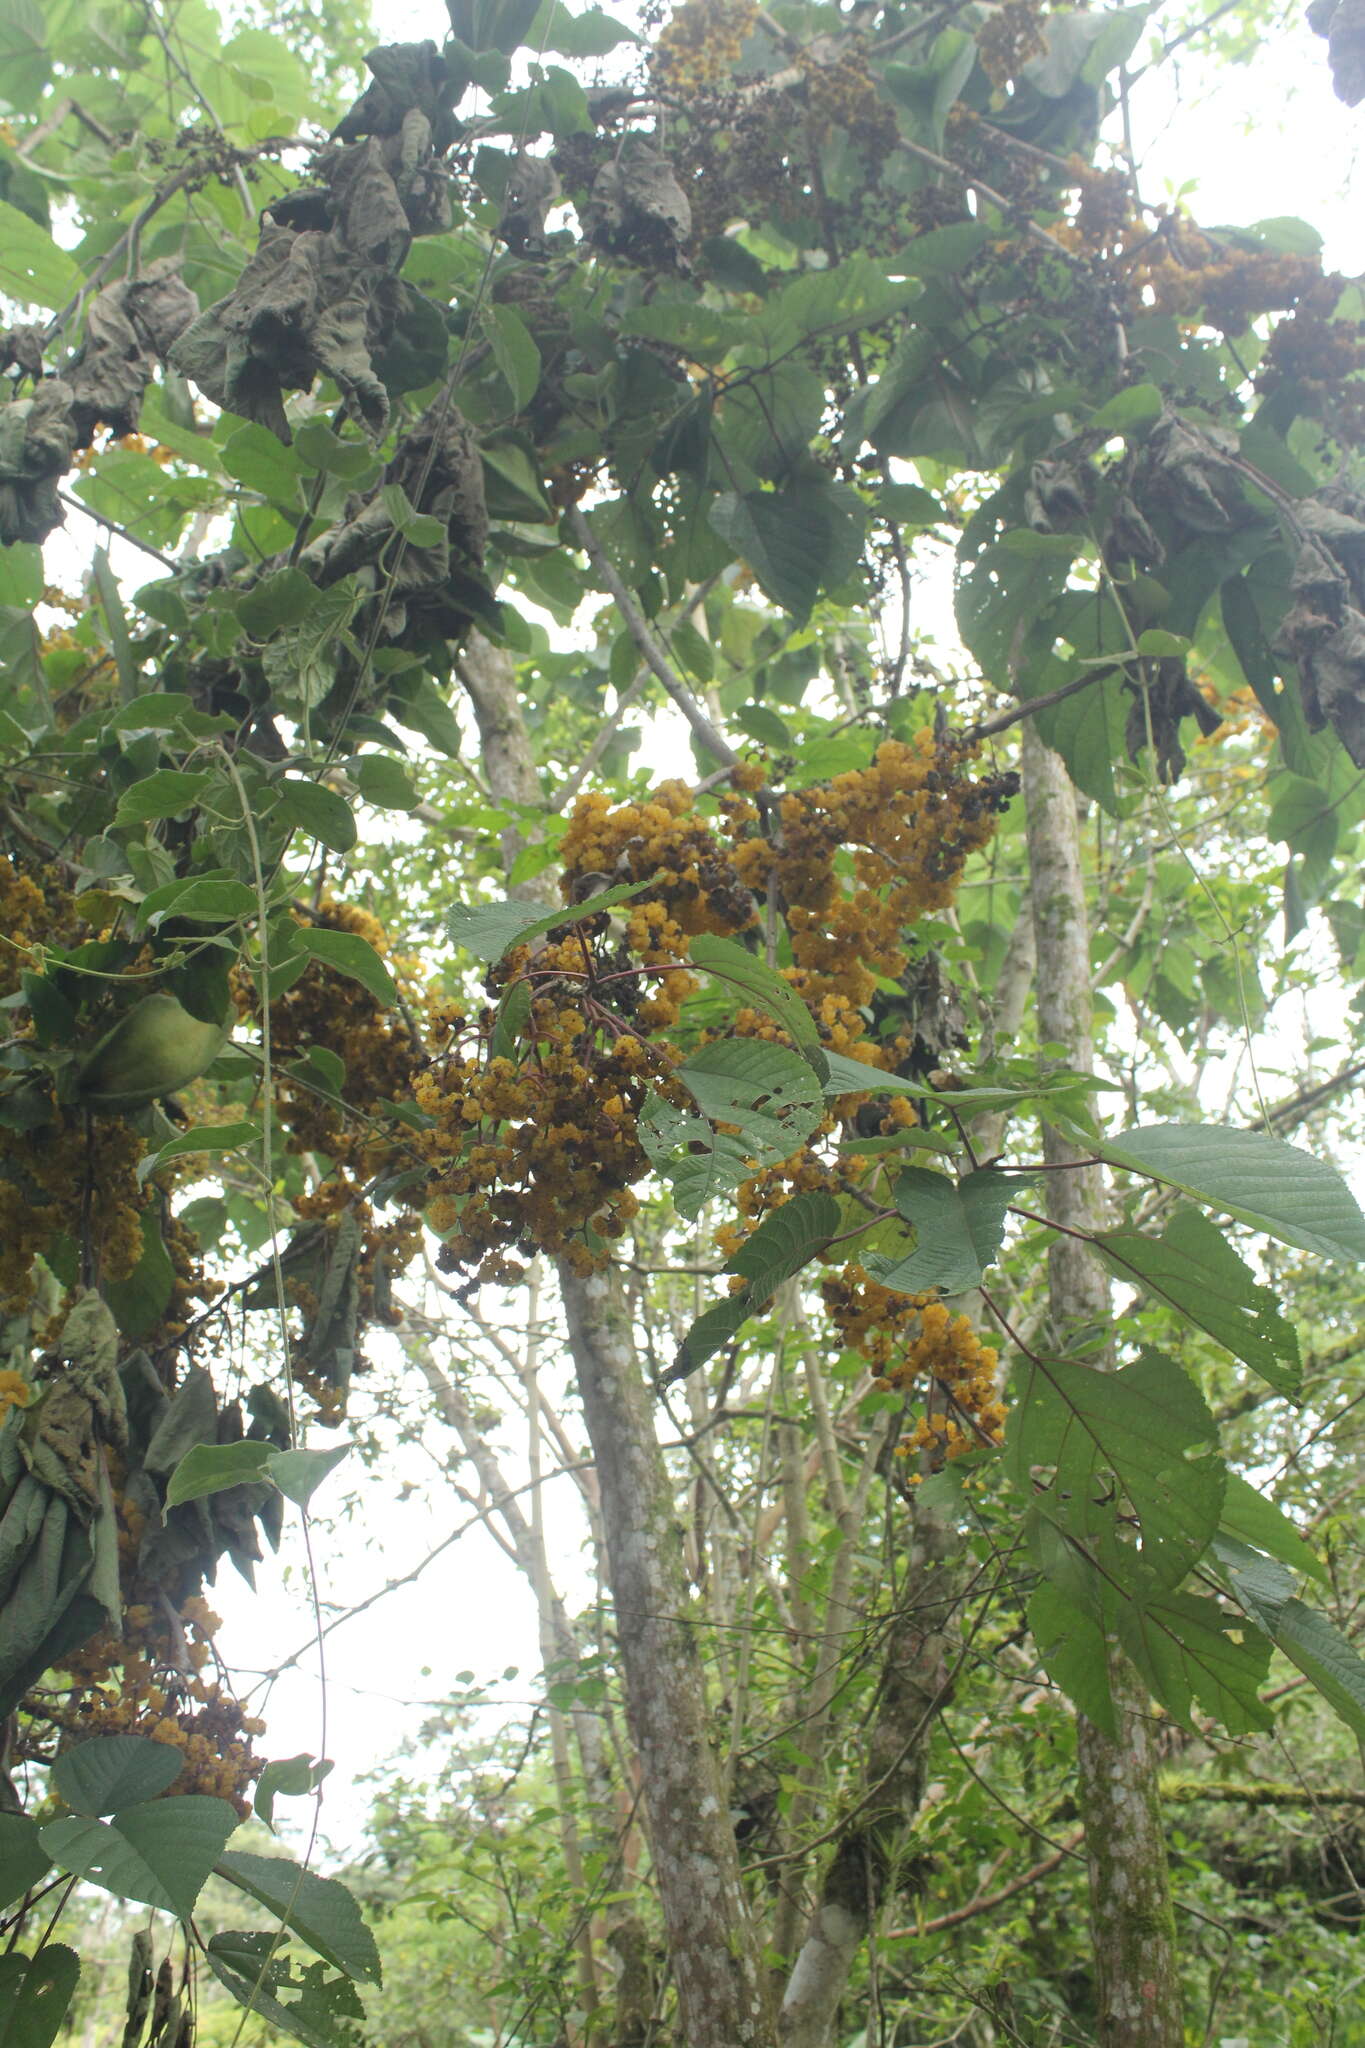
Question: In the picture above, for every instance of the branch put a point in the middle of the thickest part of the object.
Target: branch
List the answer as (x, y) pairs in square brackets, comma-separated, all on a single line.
[(651, 651), (977, 1906)]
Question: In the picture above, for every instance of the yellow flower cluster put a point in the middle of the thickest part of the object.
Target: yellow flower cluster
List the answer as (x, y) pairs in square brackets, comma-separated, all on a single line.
[(15, 1392), (148, 1680), (23, 917), (699, 46), (911, 819), (1010, 38), (59, 1176), (913, 1340)]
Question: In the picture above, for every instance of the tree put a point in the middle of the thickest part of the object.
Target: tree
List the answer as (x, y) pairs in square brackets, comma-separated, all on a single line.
[(702, 341)]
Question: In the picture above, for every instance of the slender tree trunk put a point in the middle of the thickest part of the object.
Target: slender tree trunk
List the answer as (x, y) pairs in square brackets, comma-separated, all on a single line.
[(1131, 1918), (721, 2001), (861, 1869)]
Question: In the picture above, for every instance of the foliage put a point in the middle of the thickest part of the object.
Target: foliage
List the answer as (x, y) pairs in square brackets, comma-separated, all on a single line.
[(696, 344)]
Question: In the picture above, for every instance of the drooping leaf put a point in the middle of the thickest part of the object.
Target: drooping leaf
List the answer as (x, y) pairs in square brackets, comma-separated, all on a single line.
[(959, 1226), (321, 812), (1253, 1519), (1187, 1648), (771, 1094), (320, 1910), (1120, 1463), (109, 1771), (23, 1860), (315, 2005), (35, 1994), (1258, 1179), (291, 1777), (349, 954), (160, 1853), (298, 1474), (800, 540), (1194, 1270), (1305, 1635), (787, 1239), (759, 984)]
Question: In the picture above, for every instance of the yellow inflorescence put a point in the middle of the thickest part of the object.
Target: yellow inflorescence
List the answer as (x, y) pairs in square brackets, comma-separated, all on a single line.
[(912, 1341), (699, 45), (15, 1392)]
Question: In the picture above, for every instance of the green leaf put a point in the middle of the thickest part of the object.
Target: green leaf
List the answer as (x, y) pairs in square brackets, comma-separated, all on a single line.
[(298, 1474), (1135, 406), (32, 268), (1258, 1179), (202, 1138), (214, 1468), (762, 986), (772, 1094), (847, 298), (1309, 1640), (163, 795), (590, 34), (423, 529), (1072, 1649), (1195, 1271), (25, 66), (115, 618), (207, 899), (35, 1994), (787, 1239), (317, 810), (261, 461), (383, 782), (798, 541), (287, 1777), (769, 1092), (139, 1301), (959, 1226), (160, 1853), (490, 930), (1087, 729), (514, 352), (23, 1860), (323, 2009), (415, 701), (320, 1910), (1186, 1647), (110, 1771), (1105, 1459), (347, 953), (282, 599), (1254, 1520)]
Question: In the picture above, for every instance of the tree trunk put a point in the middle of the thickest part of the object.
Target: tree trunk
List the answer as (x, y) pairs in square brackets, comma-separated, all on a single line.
[(721, 2002), (1131, 1918)]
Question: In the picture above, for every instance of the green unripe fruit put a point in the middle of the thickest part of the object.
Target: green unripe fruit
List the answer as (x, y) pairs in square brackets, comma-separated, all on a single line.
[(153, 1050)]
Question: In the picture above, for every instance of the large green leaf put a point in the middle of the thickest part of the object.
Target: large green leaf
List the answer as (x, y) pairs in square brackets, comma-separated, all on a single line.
[(35, 1993), (958, 1226), (25, 66), (321, 812), (1121, 1463), (1195, 1271), (489, 930), (23, 1860), (771, 1094), (1258, 1179), (798, 541), (349, 954), (1186, 1647), (740, 969), (216, 1468), (160, 1853), (787, 1239), (320, 1910), (316, 2005), (1250, 1518), (32, 268), (111, 1771), (1305, 1635)]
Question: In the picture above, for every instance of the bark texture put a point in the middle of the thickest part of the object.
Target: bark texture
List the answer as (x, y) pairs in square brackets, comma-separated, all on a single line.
[(1131, 1919), (721, 2001), (862, 1869)]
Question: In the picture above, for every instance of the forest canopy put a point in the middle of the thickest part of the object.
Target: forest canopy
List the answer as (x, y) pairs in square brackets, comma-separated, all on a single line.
[(890, 1170)]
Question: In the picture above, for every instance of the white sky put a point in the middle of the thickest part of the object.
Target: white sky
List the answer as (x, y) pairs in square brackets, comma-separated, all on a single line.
[(1269, 139)]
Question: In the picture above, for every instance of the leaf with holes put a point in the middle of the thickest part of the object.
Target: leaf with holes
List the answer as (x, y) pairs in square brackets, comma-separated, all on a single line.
[(1119, 1464), (1194, 1270), (319, 1910)]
